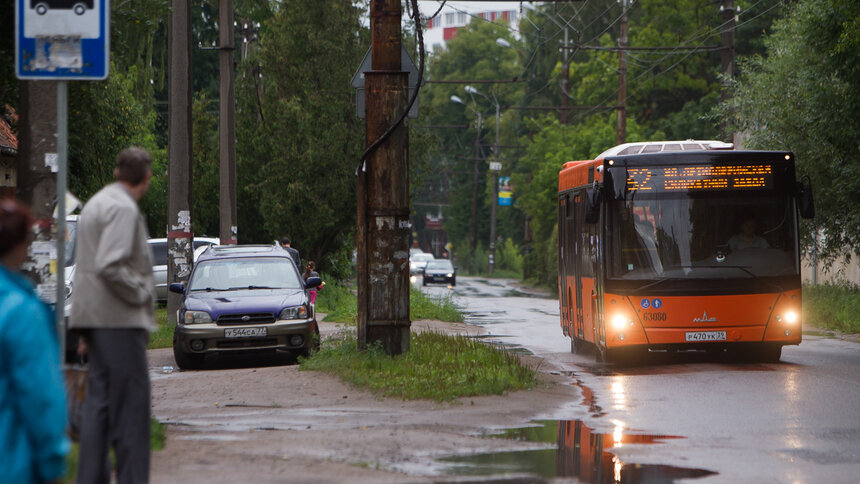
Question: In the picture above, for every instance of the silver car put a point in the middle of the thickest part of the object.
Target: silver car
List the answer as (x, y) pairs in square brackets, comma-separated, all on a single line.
[(159, 262)]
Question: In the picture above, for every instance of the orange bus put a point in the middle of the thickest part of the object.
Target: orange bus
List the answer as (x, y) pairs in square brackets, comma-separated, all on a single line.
[(684, 245)]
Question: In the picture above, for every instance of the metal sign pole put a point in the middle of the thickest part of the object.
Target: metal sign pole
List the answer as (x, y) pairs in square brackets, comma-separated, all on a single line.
[(62, 143)]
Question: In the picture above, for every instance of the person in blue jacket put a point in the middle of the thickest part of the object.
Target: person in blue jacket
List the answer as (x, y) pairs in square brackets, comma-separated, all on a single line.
[(33, 443)]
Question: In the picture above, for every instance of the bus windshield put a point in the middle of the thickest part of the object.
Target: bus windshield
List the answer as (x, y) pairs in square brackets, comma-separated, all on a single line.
[(707, 236)]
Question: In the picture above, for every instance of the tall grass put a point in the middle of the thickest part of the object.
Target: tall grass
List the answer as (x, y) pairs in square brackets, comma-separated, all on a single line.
[(437, 367), (834, 307)]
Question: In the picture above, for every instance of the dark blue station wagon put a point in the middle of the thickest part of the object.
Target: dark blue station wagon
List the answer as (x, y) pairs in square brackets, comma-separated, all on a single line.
[(244, 298)]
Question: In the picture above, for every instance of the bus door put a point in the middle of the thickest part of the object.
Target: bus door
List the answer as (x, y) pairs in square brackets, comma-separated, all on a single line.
[(576, 242)]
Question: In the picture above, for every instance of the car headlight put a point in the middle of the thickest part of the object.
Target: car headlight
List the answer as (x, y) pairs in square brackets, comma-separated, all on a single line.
[(449, 275), (197, 317), (68, 290), (295, 312)]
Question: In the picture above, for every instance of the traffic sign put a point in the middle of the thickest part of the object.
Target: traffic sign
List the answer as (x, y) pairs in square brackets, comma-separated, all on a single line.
[(357, 81), (62, 39)]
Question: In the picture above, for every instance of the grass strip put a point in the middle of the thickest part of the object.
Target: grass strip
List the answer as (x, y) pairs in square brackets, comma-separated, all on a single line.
[(835, 307), (163, 336), (437, 367), (339, 304)]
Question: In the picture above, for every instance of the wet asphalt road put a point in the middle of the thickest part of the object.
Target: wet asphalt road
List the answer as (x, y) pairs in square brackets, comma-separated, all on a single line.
[(796, 421)]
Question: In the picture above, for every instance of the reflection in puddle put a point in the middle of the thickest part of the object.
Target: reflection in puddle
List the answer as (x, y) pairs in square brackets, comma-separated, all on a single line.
[(580, 453)]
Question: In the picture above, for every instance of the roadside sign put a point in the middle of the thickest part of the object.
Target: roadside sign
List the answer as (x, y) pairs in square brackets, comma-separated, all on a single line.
[(495, 166), (62, 39), (406, 64)]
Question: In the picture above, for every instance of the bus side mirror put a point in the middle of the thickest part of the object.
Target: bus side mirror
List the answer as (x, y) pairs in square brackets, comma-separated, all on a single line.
[(592, 205), (805, 202)]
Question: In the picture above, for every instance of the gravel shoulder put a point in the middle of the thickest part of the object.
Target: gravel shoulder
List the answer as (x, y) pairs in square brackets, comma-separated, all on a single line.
[(274, 423)]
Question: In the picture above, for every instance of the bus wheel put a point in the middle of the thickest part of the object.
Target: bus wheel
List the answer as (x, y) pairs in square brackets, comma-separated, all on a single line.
[(769, 353), (576, 345)]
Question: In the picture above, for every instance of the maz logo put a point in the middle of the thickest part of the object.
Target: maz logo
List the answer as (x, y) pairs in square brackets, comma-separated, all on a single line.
[(705, 319)]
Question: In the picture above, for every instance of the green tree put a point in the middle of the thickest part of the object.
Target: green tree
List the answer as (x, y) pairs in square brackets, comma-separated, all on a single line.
[(299, 141), (804, 96)]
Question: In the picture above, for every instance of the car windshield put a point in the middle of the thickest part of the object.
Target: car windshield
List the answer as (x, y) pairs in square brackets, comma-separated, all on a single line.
[(440, 265), (245, 273), (71, 229), (422, 257), (702, 237)]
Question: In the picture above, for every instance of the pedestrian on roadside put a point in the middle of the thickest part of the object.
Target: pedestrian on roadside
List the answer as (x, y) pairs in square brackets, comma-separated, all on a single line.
[(311, 271), (33, 443), (285, 243), (113, 311)]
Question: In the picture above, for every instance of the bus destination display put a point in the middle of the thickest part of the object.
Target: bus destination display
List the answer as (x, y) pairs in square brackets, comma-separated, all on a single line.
[(700, 178)]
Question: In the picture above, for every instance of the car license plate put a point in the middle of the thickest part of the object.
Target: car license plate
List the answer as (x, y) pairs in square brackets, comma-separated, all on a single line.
[(706, 335), (244, 332)]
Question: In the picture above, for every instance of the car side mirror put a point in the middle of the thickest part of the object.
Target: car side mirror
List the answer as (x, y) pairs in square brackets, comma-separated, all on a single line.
[(592, 205), (805, 202), (177, 287), (313, 282)]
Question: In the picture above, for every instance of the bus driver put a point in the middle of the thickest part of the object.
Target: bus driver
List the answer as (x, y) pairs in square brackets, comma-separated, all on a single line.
[(747, 239)]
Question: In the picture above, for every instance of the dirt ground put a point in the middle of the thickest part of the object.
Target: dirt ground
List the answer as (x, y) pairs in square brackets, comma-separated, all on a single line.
[(274, 423)]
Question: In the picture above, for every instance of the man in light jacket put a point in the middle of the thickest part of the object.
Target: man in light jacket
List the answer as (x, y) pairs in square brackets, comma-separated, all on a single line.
[(113, 311)]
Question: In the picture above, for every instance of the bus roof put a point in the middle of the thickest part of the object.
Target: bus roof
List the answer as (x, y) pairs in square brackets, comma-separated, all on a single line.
[(664, 146)]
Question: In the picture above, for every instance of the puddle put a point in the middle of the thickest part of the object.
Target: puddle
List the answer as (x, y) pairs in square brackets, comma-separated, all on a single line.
[(578, 452)]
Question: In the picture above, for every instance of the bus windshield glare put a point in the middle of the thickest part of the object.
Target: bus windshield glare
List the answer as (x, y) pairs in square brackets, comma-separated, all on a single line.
[(713, 235)]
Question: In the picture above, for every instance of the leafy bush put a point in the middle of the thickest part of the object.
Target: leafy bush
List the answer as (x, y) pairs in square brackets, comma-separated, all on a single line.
[(832, 307)]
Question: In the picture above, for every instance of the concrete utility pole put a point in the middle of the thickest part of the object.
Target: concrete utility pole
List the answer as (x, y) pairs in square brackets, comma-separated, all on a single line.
[(621, 128), (727, 54), (383, 192), (227, 126), (180, 253), (37, 185), (565, 74), (476, 173), (495, 201)]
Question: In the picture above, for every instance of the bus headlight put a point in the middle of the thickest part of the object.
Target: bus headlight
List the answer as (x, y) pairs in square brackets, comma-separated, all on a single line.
[(619, 322), (791, 317)]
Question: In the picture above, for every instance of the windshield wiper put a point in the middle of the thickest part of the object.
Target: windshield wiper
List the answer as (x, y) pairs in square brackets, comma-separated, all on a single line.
[(251, 287), (208, 289), (743, 268)]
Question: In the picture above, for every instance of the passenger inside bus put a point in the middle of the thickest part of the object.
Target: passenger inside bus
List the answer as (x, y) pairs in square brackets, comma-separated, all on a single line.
[(747, 238)]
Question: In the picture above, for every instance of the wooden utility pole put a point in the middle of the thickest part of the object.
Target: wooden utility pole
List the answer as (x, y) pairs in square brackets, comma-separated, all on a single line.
[(180, 252), (227, 126), (621, 128), (36, 184), (383, 192)]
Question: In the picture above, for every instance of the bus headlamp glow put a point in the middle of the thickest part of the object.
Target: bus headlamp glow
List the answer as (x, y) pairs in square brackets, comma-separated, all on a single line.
[(791, 317), (619, 321)]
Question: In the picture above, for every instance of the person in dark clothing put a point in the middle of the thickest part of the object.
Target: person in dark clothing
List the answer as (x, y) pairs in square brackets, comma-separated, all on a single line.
[(285, 243)]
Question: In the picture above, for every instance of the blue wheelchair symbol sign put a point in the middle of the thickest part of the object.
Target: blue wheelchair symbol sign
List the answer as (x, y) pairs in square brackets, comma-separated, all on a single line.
[(656, 303), (645, 303)]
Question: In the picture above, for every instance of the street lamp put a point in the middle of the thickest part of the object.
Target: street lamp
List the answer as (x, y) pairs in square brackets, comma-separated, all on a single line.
[(495, 169), (473, 235)]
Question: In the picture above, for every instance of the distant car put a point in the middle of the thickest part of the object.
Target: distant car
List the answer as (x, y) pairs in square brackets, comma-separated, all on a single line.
[(440, 270), (418, 261), (71, 232), (243, 298), (415, 250), (159, 261)]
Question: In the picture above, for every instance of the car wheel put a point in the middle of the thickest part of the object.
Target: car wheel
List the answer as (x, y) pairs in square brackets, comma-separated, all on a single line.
[(188, 361), (41, 9), (79, 9), (424, 282), (315, 343)]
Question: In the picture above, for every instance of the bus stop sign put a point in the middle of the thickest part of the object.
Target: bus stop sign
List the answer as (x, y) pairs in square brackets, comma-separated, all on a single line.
[(62, 39)]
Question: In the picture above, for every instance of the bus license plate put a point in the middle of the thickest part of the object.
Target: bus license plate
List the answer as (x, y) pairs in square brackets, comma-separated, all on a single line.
[(244, 332), (706, 335)]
